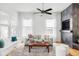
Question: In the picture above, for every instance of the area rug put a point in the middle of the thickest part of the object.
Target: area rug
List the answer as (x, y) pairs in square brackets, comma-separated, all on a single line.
[(35, 51)]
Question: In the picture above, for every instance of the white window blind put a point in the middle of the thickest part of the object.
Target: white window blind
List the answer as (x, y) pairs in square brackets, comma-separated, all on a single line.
[(27, 22), (4, 25), (4, 32), (13, 30), (27, 27), (51, 27)]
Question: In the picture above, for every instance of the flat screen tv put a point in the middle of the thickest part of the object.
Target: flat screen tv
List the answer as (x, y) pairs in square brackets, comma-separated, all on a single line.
[(66, 24)]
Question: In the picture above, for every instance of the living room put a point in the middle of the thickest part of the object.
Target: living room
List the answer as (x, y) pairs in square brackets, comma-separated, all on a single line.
[(35, 29)]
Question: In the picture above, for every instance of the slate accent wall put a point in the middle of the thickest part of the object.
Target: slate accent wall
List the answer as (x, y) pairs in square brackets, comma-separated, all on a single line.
[(71, 12), (66, 35)]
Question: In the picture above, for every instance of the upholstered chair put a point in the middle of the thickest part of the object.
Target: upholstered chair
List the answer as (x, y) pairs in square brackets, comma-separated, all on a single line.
[(60, 49)]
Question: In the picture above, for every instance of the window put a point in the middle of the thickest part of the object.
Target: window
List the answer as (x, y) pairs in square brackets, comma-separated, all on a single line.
[(7, 26), (51, 23), (27, 22), (4, 32), (13, 30), (4, 28), (13, 27), (4, 19), (13, 22), (51, 27), (27, 27)]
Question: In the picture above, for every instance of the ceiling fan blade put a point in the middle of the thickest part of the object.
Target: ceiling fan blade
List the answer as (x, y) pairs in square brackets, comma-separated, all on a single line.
[(49, 9), (48, 13), (36, 12), (39, 9)]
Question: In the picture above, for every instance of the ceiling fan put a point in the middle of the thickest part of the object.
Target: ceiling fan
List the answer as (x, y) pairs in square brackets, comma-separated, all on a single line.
[(44, 11)]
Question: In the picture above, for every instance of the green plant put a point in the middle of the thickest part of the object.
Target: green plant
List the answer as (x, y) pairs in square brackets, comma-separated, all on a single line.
[(1, 43)]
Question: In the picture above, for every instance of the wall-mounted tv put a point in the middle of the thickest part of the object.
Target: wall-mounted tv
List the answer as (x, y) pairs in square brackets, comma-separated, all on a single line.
[(66, 24)]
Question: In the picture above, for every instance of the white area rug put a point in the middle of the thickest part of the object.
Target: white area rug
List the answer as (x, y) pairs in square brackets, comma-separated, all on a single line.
[(35, 51)]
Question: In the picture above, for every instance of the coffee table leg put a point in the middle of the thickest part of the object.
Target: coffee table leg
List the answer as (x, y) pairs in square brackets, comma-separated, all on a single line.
[(29, 48), (48, 48)]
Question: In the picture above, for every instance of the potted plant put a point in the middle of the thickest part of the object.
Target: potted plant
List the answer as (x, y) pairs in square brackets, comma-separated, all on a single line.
[(1, 43)]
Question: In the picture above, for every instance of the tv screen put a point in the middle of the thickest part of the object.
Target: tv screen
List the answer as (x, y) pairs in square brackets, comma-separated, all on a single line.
[(66, 24)]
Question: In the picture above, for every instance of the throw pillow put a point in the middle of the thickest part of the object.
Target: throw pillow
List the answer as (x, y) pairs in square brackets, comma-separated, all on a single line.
[(1, 43), (14, 38)]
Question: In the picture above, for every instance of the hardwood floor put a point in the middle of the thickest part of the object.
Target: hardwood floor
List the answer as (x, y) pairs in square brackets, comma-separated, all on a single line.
[(73, 52)]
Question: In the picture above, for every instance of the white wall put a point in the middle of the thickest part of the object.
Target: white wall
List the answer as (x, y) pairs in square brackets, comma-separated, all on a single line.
[(58, 18), (39, 25), (38, 21)]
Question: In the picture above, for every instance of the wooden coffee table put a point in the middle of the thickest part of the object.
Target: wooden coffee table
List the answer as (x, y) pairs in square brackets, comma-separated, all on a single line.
[(38, 45)]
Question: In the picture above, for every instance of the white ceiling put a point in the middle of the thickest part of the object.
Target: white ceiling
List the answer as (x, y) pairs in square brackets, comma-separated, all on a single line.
[(31, 7)]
